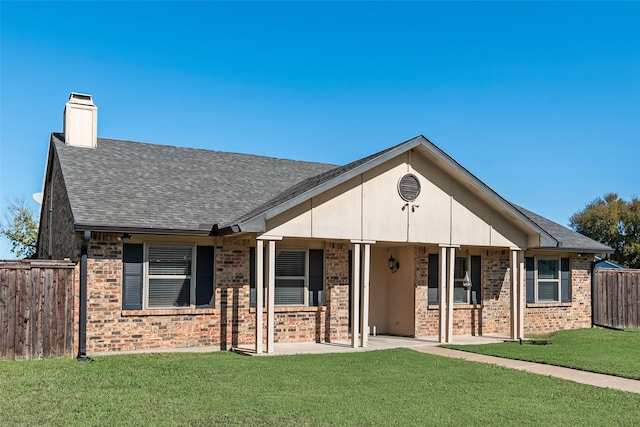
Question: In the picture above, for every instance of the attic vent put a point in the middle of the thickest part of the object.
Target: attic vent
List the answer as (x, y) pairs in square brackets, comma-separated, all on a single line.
[(409, 187)]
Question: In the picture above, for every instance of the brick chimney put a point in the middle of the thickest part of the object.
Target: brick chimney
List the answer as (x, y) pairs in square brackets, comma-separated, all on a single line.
[(80, 121)]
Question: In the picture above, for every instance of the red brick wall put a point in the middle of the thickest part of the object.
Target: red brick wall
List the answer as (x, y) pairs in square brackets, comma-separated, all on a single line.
[(493, 316), (540, 318), (56, 238), (336, 292), (232, 323), (229, 323)]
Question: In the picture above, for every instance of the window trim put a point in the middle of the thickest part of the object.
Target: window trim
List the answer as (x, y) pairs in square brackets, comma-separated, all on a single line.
[(558, 280), (467, 301), (565, 278), (305, 292), (147, 276)]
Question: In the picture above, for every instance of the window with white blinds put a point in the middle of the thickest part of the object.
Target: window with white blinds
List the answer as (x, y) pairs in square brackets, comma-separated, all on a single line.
[(291, 277), (169, 283)]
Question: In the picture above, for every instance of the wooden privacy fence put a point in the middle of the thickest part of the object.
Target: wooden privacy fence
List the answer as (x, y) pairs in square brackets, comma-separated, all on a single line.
[(616, 298), (36, 308)]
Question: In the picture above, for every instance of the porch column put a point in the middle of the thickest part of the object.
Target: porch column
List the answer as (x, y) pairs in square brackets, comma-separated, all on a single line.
[(442, 293), (271, 295), (364, 337), (522, 296), (355, 295), (259, 294), (517, 294), (450, 281)]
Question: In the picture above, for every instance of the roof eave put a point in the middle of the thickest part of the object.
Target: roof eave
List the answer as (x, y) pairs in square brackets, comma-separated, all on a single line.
[(576, 250), (144, 230)]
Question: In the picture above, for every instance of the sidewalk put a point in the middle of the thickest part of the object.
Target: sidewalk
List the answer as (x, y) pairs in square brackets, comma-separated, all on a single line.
[(598, 380)]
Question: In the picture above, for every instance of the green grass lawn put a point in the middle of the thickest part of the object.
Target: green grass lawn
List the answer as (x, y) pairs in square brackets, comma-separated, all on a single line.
[(391, 387), (597, 350)]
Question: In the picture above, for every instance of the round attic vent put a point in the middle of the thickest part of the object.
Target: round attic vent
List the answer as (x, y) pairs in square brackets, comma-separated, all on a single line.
[(409, 187)]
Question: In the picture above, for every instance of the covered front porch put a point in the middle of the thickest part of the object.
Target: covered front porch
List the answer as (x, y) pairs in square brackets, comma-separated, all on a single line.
[(394, 292)]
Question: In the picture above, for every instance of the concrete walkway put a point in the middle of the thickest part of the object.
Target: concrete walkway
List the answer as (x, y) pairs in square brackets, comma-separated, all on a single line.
[(598, 380)]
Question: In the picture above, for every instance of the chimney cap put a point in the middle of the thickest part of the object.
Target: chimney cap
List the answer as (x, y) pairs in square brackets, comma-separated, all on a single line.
[(80, 98)]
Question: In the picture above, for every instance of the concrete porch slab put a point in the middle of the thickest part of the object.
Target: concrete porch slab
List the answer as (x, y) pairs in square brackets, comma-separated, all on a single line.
[(379, 342)]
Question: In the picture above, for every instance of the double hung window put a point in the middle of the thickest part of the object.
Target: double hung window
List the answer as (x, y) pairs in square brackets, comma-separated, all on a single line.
[(291, 277), (548, 280), (462, 294), (298, 277), (157, 276), (169, 278)]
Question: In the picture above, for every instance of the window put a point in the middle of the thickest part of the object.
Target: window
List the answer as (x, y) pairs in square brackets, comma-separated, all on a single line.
[(169, 279), (167, 276), (299, 277), (461, 294), (291, 277), (547, 280)]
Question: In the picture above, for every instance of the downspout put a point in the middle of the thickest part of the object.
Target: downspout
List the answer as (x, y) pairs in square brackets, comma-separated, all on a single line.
[(82, 333)]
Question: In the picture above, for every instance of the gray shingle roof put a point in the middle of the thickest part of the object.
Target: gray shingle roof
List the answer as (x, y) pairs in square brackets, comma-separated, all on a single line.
[(568, 239), (132, 185), (125, 185), (309, 184)]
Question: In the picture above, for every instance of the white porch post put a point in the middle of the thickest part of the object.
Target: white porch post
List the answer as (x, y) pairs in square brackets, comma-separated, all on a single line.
[(450, 281), (271, 295), (364, 337), (442, 293), (259, 294), (522, 295), (355, 295), (514, 293)]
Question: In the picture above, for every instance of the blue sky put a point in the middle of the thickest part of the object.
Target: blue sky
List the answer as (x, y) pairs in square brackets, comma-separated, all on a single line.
[(541, 101)]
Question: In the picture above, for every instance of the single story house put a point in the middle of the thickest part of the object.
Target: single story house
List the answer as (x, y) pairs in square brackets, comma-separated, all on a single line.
[(182, 248)]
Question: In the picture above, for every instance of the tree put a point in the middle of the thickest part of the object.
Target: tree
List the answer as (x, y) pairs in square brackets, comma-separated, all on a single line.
[(614, 222), (20, 228)]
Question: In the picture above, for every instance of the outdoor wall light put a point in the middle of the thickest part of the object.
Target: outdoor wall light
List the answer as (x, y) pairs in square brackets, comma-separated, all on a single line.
[(125, 236), (466, 282), (393, 264)]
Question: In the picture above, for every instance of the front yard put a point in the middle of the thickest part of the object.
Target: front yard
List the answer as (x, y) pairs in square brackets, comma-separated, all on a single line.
[(391, 387), (599, 350)]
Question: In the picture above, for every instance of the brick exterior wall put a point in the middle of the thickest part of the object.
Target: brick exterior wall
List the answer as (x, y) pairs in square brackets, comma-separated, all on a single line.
[(493, 316), (56, 238), (540, 318), (496, 293), (230, 323), (337, 291)]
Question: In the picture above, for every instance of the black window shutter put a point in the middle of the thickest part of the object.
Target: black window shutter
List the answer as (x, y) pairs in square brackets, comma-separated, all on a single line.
[(529, 276), (316, 276), (476, 280), (432, 279), (132, 263), (565, 280), (204, 276), (252, 277)]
